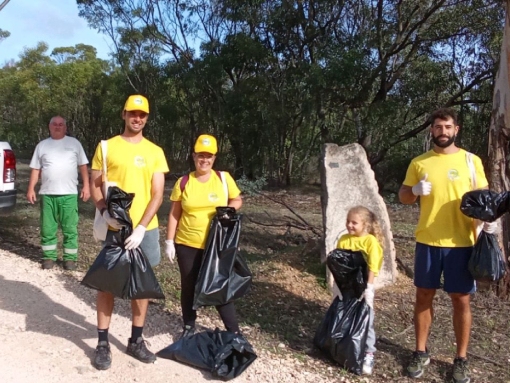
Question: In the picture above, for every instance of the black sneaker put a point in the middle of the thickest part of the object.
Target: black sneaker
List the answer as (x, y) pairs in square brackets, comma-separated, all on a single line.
[(460, 371), (416, 366), (139, 350), (103, 357), (187, 331), (48, 264), (70, 265)]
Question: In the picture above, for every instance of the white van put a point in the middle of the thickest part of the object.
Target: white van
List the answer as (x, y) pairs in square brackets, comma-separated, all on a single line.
[(7, 178)]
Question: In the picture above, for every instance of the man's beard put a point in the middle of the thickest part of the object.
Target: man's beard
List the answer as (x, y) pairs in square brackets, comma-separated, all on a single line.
[(443, 144)]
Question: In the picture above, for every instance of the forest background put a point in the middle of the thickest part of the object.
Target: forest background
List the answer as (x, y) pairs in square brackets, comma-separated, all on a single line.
[(273, 80)]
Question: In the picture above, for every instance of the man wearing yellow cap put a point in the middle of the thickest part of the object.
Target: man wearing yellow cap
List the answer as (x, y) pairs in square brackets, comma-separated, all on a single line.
[(137, 166)]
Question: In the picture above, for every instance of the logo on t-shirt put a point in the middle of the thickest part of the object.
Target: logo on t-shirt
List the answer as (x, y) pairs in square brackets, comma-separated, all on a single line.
[(453, 174), (139, 161), (213, 197)]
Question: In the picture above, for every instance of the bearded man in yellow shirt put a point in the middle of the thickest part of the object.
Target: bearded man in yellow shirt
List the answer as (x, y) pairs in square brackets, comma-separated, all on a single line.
[(444, 236), (137, 166)]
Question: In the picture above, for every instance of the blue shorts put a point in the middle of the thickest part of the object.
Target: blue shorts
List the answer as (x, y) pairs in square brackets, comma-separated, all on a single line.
[(432, 261), (150, 245)]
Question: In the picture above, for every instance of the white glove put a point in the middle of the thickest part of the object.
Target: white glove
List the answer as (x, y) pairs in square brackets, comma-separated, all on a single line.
[(369, 295), (112, 222), (423, 187), (136, 237), (170, 250), (490, 227)]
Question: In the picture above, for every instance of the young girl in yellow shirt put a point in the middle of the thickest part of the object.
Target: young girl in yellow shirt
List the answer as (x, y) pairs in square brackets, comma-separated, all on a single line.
[(365, 235)]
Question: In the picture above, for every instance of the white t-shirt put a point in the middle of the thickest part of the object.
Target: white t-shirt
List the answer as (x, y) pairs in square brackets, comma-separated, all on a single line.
[(58, 161)]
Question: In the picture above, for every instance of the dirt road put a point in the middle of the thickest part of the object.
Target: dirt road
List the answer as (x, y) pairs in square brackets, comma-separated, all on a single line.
[(48, 335)]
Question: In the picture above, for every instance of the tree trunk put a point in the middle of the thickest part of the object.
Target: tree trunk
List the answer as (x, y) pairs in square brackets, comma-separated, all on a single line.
[(499, 135)]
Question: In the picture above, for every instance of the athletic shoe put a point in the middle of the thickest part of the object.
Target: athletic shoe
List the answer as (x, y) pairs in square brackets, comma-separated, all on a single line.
[(416, 366), (139, 350), (103, 357), (368, 363), (460, 371)]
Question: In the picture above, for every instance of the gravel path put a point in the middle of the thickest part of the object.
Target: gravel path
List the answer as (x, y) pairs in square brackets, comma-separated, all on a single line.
[(48, 335)]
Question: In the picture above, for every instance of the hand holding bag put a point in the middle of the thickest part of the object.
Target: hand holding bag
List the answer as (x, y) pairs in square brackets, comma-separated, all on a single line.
[(100, 225)]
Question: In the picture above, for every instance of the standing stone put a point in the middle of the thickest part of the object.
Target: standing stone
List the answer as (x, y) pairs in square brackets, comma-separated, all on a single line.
[(347, 181)]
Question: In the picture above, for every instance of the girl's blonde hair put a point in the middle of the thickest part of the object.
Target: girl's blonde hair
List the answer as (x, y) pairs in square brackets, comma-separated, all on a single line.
[(371, 222)]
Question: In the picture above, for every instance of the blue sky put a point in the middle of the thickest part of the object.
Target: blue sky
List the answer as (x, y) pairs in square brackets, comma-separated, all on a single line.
[(56, 22)]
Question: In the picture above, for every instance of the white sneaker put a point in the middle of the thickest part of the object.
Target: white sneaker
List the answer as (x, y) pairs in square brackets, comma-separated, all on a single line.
[(368, 364)]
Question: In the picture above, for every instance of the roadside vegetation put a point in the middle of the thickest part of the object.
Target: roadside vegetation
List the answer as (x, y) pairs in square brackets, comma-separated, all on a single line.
[(289, 296)]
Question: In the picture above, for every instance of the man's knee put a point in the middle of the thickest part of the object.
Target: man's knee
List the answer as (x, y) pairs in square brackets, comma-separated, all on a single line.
[(460, 301), (424, 296), (104, 297)]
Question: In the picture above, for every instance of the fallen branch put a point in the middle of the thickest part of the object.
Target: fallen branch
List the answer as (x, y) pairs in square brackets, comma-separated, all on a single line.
[(487, 360), (313, 229), (408, 271), (284, 224), (406, 330), (387, 341)]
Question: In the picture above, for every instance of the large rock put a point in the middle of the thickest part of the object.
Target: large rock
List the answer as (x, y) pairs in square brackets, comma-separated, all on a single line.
[(348, 180)]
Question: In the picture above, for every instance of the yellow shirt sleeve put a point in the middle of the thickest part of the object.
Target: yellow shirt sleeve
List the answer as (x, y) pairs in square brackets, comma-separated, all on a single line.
[(374, 255), (97, 160), (176, 191), (160, 166), (411, 175), (481, 180), (233, 190)]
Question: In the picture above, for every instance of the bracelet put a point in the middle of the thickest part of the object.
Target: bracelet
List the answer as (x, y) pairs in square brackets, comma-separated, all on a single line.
[(103, 210)]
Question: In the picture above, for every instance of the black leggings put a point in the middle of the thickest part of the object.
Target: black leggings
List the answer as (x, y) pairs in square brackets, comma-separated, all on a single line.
[(190, 260)]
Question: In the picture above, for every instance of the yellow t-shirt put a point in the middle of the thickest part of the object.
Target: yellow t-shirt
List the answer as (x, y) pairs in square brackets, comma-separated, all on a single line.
[(441, 222), (368, 245), (199, 201), (132, 166)]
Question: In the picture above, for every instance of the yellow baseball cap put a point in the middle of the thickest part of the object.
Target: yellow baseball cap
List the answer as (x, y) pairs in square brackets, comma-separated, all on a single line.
[(137, 102), (206, 143)]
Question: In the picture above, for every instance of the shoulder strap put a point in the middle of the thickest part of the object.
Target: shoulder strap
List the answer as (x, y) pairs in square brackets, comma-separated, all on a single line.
[(184, 181), (224, 183), (104, 150), (477, 227), (472, 171)]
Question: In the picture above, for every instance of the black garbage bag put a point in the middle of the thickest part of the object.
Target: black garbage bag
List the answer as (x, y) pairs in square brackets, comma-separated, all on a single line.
[(225, 354), (485, 205), (224, 275), (486, 263), (342, 335), (126, 274), (350, 271)]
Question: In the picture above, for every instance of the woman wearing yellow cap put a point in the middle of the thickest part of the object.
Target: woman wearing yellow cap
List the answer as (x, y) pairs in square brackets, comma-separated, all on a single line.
[(194, 201)]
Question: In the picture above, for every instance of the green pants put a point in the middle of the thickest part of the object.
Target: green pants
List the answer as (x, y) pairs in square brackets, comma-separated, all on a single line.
[(59, 210)]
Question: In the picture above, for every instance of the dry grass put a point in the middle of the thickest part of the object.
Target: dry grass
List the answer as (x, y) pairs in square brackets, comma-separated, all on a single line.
[(289, 297)]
